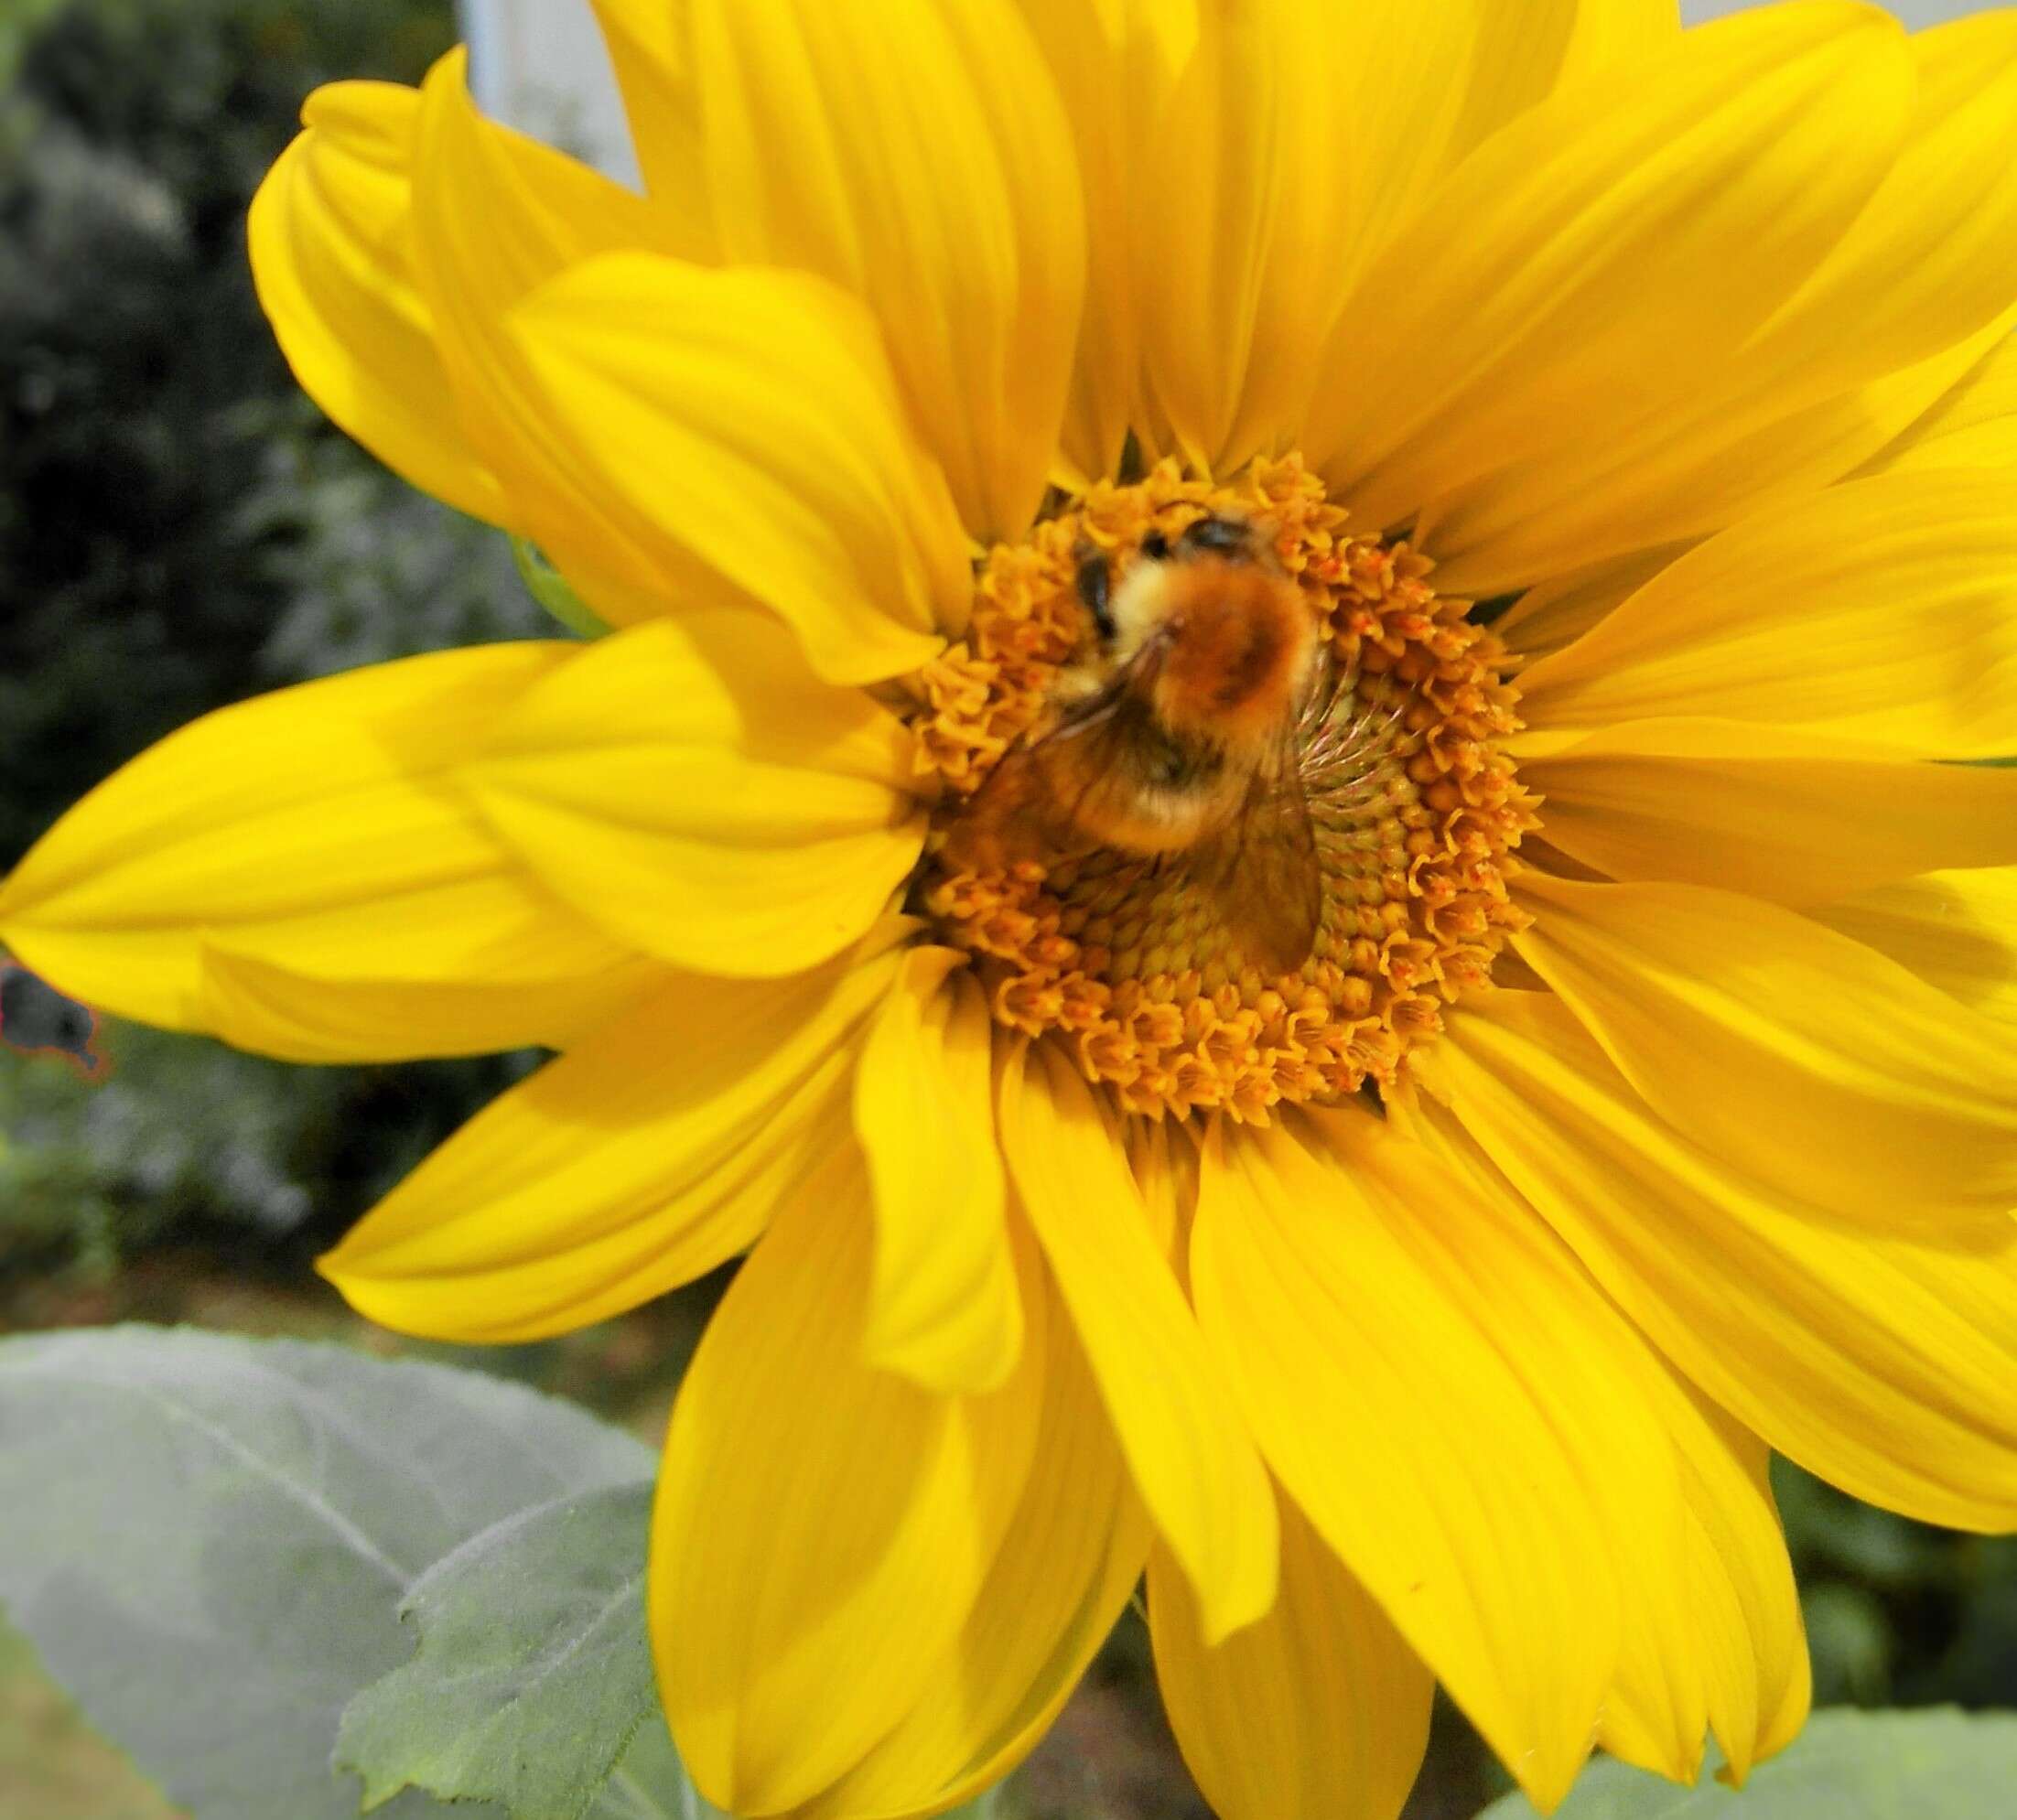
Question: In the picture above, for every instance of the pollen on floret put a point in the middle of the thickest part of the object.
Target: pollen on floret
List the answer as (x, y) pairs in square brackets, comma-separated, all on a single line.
[(1415, 807)]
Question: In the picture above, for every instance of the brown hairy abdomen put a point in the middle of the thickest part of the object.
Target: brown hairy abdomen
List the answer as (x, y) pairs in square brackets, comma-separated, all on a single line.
[(1239, 648)]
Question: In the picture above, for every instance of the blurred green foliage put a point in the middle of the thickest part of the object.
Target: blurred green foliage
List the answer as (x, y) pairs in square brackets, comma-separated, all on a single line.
[(178, 529), (1899, 1613), (187, 1141)]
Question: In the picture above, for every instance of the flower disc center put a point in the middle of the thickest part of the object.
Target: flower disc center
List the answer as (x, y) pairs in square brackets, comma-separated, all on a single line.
[(1130, 959)]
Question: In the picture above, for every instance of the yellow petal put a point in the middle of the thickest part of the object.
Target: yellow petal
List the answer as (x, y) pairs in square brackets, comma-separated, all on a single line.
[(1279, 250), (1251, 230), (1711, 1633), (1925, 265), (1973, 425), (943, 1306), (1667, 482), (1163, 1155), (1185, 1441), (823, 1528), (1919, 274), (1586, 260), (1437, 1387), (1526, 50), (494, 216), (917, 155), (306, 829), (1886, 1102), (328, 234), (692, 787), (1957, 930), (466, 969), (1560, 611), (745, 426), (1756, 1708), (1719, 1635), (1883, 609), (1071, 1556), (636, 1162), (1878, 1360), (1318, 1712), (1115, 63), (1599, 34), (648, 50), (1794, 817)]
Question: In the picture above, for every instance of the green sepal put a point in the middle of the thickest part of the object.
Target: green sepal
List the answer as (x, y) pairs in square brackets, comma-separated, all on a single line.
[(553, 590)]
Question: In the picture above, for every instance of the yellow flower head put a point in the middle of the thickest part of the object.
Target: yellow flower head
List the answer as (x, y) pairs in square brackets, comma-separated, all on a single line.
[(1278, 817)]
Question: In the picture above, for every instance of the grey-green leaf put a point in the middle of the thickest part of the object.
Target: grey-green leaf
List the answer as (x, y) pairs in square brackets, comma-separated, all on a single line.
[(1935, 1764), (208, 1539), (533, 1671)]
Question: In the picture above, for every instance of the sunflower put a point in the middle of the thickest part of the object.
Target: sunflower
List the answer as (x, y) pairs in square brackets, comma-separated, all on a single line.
[(1634, 414)]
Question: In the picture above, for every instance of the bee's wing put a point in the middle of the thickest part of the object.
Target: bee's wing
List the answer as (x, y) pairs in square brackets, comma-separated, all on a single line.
[(1261, 869), (1029, 804)]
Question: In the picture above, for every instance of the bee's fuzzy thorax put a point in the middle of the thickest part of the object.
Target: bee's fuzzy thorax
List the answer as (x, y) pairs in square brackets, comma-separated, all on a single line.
[(1237, 642)]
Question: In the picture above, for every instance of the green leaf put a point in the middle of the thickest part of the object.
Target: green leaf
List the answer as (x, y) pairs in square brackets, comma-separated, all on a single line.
[(208, 1539), (553, 590), (1935, 1764), (534, 1672)]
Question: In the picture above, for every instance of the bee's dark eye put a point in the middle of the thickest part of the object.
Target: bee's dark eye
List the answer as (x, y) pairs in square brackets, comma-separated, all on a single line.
[(1217, 537), (1154, 546), (1094, 585)]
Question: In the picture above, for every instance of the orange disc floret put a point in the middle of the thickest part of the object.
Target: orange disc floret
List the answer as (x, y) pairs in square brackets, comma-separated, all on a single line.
[(1415, 806)]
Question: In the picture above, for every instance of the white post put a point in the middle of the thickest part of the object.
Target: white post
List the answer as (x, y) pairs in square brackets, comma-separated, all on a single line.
[(540, 66)]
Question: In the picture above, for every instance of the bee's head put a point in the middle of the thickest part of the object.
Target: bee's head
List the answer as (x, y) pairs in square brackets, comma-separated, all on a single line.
[(1212, 536)]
